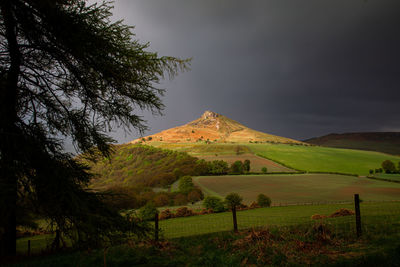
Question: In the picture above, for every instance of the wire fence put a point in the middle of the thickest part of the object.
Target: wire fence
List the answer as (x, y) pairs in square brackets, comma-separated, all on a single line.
[(377, 218)]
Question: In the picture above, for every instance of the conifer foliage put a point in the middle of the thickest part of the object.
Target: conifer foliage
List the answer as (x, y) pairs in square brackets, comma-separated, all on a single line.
[(67, 71)]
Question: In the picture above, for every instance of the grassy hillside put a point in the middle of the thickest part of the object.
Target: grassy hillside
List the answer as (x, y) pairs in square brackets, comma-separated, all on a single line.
[(301, 188), (387, 142), (323, 159), (133, 165)]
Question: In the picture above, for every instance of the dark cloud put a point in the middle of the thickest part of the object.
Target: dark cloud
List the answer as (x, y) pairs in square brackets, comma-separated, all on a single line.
[(292, 68)]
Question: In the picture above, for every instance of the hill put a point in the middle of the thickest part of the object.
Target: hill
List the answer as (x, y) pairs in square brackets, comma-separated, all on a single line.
[(386, 142), (215, 128)]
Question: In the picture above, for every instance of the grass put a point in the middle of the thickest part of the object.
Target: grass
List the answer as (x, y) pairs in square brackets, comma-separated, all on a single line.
[(323, 159), (277, 216), (299, 188), (304, 158), (287, 237)]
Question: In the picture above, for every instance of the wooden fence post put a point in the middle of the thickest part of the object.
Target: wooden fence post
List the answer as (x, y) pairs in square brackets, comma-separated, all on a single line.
[(358, 215), (29, 247), (156, 227), (235, 228)]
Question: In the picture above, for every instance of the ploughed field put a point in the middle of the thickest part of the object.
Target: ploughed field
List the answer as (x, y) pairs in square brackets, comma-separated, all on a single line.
[(299, 188)]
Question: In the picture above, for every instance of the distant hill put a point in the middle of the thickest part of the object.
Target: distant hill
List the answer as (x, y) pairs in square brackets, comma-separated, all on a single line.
[(386, 142), (216, 128)]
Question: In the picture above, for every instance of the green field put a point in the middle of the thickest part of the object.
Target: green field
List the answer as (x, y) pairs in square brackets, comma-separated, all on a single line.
[(323, 159), (304, 158), (372, 213), (299, 188)]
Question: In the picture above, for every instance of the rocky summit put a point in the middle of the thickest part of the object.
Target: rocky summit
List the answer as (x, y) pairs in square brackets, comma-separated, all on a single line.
[(213, 127)]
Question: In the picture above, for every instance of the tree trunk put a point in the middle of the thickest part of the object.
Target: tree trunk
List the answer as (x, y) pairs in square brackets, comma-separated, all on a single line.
[(9, 134)]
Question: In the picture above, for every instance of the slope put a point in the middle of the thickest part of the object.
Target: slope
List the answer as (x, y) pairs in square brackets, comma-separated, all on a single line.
[(139, 165)]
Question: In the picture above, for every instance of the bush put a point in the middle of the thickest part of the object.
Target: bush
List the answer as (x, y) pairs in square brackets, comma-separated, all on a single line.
[(388, 166), (186, 184), (214, 203), (177, 173), (218, 167), (180, 199), (264, 169), (147, 213), (232, 200), (195, 195), (183, 212), (263, 200), (246, 165), (237, 167), (161, 200), (166, 214), (371, 171)]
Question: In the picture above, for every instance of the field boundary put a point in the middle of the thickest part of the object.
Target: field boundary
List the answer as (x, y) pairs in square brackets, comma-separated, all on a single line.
[(304, 171), (276, 161), (382, 179)]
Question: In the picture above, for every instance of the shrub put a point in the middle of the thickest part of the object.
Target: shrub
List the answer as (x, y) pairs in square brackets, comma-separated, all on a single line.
[(147, 212), (388, 166), (195, 195), (232, 200), (166, 214), (183, 212), (237, 167), (371, 171), (246, 165), (264, 169), (263, 200), (186, 184), (161, 200), (177, 173), (218, 167), (214, 203), (254, 205), (180, 199)]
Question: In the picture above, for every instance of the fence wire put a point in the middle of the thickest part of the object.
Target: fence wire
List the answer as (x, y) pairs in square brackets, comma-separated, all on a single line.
[(377, 219)]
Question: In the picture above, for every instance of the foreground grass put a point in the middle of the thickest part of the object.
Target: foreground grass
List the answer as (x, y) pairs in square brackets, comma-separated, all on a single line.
[(372, 213), (317, 244), (323, 159)]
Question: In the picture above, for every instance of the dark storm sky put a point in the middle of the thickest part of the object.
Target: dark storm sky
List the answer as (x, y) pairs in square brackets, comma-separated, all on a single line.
[(292, 68)]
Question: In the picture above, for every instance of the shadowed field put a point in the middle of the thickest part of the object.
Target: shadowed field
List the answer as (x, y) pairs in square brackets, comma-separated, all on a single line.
[(300, 188)]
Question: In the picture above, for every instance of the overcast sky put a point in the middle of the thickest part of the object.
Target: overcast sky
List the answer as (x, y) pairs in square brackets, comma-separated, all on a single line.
[(297, 69)]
